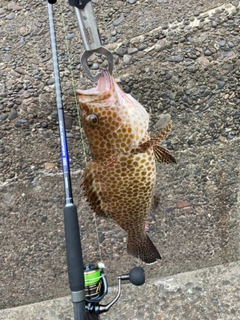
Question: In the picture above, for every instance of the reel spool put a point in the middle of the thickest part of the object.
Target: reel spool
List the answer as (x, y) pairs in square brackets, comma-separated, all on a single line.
[(95, 283)]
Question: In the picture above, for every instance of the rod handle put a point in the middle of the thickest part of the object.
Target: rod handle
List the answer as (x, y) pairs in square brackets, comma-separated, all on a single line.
[(73, 248)]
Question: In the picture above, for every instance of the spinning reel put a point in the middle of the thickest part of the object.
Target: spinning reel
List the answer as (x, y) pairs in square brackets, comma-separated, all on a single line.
[(96, 287)]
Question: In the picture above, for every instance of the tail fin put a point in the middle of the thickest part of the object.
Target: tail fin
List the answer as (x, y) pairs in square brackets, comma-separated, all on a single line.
[(143, 248)]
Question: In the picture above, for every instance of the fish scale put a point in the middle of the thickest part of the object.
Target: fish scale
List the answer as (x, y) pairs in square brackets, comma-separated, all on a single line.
[(119, 180)]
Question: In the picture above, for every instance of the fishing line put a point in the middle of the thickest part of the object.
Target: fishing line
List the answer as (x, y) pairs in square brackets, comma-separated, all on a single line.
[(78, 113)]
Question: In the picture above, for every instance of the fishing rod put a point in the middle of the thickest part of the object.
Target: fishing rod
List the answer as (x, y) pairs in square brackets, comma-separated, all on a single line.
[(88, 284)]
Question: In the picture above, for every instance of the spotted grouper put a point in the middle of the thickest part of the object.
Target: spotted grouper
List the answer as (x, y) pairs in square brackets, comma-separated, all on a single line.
[(119, 180)]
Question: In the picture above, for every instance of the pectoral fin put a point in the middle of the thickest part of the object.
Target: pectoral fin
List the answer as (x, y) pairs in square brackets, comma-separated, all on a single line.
[(162, 154)]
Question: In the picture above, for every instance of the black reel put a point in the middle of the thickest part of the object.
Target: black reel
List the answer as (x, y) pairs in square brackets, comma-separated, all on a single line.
[(96, 287)]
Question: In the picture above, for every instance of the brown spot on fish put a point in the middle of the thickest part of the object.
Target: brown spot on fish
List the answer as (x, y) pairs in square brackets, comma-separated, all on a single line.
[(119, 181)]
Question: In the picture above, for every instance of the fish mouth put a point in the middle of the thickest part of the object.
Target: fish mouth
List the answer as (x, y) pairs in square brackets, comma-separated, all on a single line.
[(106, 90), (107, 85), (103, 89), (105, 81)]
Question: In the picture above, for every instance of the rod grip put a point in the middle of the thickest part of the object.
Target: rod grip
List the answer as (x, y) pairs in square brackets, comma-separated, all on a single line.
[(73, 248)]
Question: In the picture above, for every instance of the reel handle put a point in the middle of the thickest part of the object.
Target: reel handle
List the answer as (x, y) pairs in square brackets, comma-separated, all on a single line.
[(137, 276)]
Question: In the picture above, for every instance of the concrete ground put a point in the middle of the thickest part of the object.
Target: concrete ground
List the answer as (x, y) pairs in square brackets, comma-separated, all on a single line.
[(205, 294)]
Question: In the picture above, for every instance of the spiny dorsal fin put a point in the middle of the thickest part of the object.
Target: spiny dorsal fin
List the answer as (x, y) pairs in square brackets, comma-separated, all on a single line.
[(154, 141)]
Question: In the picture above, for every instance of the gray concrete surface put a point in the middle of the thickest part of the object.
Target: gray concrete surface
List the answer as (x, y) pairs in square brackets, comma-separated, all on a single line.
[(204, 294)]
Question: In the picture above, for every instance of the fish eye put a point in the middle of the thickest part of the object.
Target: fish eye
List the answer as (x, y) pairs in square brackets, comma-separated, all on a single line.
[(92, 119)]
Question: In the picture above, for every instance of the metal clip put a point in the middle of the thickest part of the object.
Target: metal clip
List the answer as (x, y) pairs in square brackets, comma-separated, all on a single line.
[(91, 39)]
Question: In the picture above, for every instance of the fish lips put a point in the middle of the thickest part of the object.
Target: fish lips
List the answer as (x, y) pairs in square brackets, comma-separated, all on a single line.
[(106, 89)]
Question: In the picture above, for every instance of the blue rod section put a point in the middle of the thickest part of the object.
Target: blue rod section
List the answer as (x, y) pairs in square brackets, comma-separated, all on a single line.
[(63, 139)]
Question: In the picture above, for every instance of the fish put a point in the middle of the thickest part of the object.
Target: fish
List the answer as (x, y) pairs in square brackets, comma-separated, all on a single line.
[(119, 181)]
